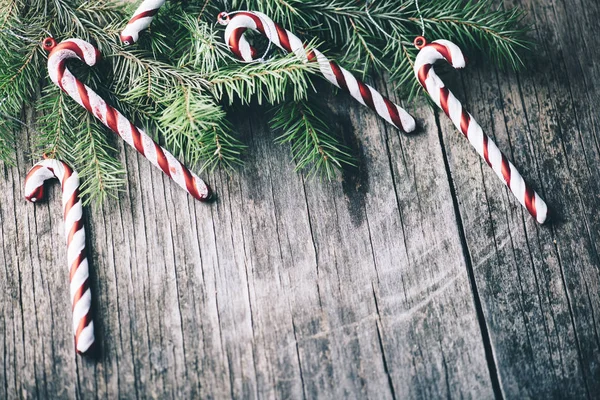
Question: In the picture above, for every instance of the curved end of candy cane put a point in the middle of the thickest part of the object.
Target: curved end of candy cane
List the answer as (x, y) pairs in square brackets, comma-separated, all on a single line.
[(128, 38), (36, 195), (75, 48), (437, 50), (34, 183), (456, 57)]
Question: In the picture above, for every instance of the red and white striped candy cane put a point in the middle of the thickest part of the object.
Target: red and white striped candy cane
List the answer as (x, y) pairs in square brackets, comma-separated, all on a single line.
[(142, 18), (464, 122), (134, 136), (238, 22), (81, 296)]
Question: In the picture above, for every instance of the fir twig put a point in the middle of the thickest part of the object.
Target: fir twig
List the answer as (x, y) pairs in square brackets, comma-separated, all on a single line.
[(315, 149)]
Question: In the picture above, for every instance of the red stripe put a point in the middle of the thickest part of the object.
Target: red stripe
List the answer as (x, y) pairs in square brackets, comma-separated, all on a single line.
[(366, 94), (465, 120), (190, 183), (505, 170), (443, 50), (83, 94), (311, 55), (70, 203), (234, 42), (486, 156), (162, 160), (393, 110), (61, 72), (257, 21), (112, 119), (423, 72), (339, 75), (77, 226), (444, 94), (137, 139), (69, 46), (80, 292), (149, 13), (83, 323), (67, 174), (80, 257), (530, 201), (283, 38)]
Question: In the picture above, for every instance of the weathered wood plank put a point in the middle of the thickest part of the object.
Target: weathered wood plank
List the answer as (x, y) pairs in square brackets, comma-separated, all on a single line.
[(415, 276), (538, 285)]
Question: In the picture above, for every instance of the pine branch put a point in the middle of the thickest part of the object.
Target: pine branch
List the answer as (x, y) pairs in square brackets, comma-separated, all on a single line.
[(195, 127), (302, 124), (266, 82), (102, 175)]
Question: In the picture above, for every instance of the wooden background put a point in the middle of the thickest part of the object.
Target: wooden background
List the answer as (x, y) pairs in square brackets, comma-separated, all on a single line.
[(419, 276)]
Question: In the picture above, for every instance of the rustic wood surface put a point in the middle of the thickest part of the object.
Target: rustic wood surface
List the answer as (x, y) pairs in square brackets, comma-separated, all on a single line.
[(417, 276)]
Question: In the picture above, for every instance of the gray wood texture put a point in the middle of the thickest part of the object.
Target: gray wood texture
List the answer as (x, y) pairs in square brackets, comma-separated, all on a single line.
[(416, 276)]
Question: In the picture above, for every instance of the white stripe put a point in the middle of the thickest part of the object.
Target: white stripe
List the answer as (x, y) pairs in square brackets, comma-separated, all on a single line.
[(81, 308), (86, 338), (76, 246), (475, 134), (380, 106), (517, 184), (352, 84), (74, 215), (81, 274)]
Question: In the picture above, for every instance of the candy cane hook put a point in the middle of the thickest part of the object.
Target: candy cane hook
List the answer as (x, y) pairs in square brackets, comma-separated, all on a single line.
[(464, 122), (237, 23), (113, 119), (81, 296), (142, 18)]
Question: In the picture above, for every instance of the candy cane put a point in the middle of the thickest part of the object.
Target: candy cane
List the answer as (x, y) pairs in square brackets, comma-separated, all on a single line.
[(109, 116), (142, 18), (239, 22), (445, 50), (81, 296)]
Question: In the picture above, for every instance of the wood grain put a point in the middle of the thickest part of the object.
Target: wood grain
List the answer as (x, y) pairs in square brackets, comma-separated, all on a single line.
[(416, 275)]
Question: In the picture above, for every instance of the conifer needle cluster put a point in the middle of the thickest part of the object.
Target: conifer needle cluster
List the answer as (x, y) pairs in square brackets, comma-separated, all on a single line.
[(179, 80)]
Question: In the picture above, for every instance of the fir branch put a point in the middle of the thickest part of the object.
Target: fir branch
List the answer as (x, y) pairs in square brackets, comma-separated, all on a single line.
[(265, 82), (102, 175), (195, 127), (302, 124), (7, 140)]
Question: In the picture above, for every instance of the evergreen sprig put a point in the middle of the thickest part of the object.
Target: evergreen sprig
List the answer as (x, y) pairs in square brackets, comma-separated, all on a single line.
[(180, 77), (305, 128)]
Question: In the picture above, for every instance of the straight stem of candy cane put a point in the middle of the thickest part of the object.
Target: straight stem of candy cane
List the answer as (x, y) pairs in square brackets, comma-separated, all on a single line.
[(81, 296), (113, 119), (142, 18), (464, 122), (237, 23)]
